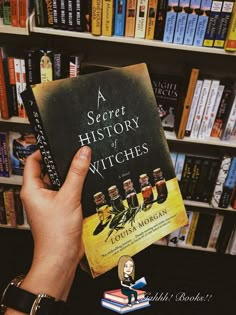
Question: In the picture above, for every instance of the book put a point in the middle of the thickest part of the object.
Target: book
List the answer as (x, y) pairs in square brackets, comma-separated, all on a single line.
[(182, 238), (56, 13), (3, 218), (14, 7), (203, 229), (32, 66), (9, 203), (160, 19), (179, 164), (12, 81), (21, 145), (117, 296), (180, 132), (122, 308), (41, 14), (167, 89), (130, 19), (215, 231), (6, 12), (96, 18), (229, 122), (181, 21), (223, 25), (192, 228), (139, 284), (46, 65), (4, 155), (194, 12), (212, 24), (107, 17), (151, 19), (119, 17), (112, 119), (170, 21), (82, 15), (141, 18), (63, 14), (202, 22), (230, 41), (225, 233)]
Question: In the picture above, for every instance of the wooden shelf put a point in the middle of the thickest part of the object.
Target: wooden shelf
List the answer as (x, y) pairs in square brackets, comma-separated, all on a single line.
[(12, 180), (8, 29), (15, 120), (197, 204), (18, 227)]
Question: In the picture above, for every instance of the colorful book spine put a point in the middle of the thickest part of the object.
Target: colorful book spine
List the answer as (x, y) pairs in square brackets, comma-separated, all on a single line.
[(96, 17), (192, 22), (229, 123), (193, 107), (3, 218), (223, 24), (141, 18), (151, 19), (182, 238), (10, 207), (160, 19), (46, 65), (192, 228), (202, 23), (23, 87), (14, 5), (12, 81), (130, 20), (171, 17), (213, 22), (219, 218), (49, 12), (200, 108), (107, 17), (24, 9), (194, 178), (6, 12), (186, 175), (119, 17), (230, 42), (181, 21), (75, 65), (211, 99)]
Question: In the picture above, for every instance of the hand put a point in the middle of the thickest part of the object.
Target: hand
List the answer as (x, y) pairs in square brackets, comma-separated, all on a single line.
[(55, 219)]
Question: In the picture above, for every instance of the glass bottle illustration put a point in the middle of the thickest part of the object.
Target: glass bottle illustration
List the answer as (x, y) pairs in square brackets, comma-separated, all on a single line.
[(130, 193), (146, 189), (116, 199), (160, 184), (102, 208)]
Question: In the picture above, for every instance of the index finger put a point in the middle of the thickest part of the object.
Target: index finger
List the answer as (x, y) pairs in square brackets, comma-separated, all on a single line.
[(33, 171)]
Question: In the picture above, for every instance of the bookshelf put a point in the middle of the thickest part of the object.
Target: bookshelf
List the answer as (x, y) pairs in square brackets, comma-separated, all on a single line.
[(119, 51)]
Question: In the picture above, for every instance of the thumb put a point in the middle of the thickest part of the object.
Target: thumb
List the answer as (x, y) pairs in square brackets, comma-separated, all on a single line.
[(73, 184)]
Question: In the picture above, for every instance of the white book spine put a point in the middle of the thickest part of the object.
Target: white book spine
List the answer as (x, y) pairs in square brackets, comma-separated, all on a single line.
[(229, 126), (179, 164), (221, 177), (184, 230), (215, 231), (193, 106), (208, 108), (232, 249), (141, 18), (17, 65), (200, 108), (214, 110)]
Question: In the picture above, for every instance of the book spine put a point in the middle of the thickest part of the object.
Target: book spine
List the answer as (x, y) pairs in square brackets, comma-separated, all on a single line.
[(223, 24), (225, 233), (160, 19), (49, 12), (3, 218), (230, 41), (171, 16), (119, 16), (232, 248), (81, 12), (23, 86), (193, 108), (18, 207), (181, 21), (200, 108), (4, 104), (12, 81), (215, 230), (141, 18), (221, 177), (96, 17), (194, 178), (32, 64), (17, 65), (179, 164), (192, 228), (5, 154), (130, 18), (233, 199), (151, 19), (212, 174), (42, 141), (202, 23), (186, 175), (23, 12), (10, 207), (229, 123), (184, 230), (187, 103), (60, 66), (211, 99), (70, 15), (212, 23), (41, 14), (1, 159), (46, 65), (107, 17), (75, 65), (63, 14), (6, 12), (14, 5), (56, 14), (192, 22)]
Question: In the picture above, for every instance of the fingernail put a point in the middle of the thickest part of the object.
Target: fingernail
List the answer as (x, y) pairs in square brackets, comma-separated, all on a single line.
[(84, 153)]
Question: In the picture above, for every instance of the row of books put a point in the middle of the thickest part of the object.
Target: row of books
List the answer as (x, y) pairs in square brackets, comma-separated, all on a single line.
[(188, 22), (15, 147), (36, 66), (15, 12), (213, 231), (206, 178), (12, 211), (208, 109)]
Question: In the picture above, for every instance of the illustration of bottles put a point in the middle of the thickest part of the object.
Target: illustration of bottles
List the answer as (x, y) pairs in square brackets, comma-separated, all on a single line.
[(118, 207), (130, 193), (160, 184), (146, 190), (103, 211)]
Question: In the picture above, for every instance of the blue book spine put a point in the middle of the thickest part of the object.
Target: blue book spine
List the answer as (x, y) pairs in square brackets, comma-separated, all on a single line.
[(171, 16), (192, 22), (181, 21), (119, 23), (202, 22)]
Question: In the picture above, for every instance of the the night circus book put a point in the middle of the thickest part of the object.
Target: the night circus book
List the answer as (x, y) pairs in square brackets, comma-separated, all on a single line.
[(131, 196)]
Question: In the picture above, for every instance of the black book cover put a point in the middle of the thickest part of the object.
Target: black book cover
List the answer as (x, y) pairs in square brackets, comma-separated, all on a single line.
[(63, 14), (61, 65), (56, 5), (160, 19), (225, 233), (32, 66), (82, 16), (41, 13), (115, 113)]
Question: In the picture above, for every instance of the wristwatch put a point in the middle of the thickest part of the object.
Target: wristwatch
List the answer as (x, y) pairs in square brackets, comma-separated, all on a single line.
[(29, 303)]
